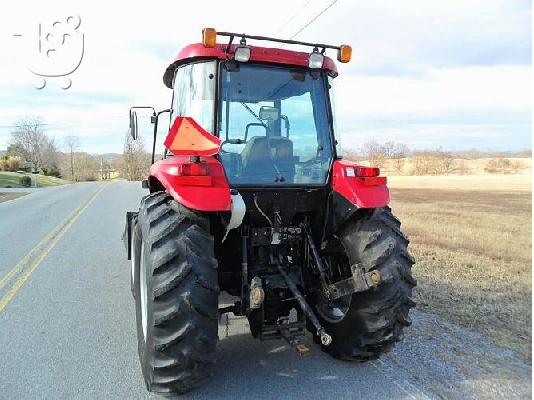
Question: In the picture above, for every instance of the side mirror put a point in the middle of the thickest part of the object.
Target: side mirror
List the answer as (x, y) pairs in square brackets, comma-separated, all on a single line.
[(133, 125), (134, 130), (268, 113)]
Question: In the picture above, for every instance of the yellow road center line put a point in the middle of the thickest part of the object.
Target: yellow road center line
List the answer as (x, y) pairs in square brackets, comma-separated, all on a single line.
[(20, 282), (16, 269)]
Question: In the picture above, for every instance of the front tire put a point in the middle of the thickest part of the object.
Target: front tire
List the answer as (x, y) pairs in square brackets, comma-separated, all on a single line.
[(368, 324), (176, 295)]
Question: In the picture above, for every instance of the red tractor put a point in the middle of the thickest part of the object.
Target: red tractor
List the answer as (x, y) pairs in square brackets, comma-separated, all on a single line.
[(252, 197)]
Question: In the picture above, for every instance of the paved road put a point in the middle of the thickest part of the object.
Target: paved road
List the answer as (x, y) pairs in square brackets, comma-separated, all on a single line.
[(67, 326)]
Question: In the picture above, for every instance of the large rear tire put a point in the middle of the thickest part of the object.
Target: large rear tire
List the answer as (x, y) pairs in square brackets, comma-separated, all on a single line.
[(366, 324), (176, 294)]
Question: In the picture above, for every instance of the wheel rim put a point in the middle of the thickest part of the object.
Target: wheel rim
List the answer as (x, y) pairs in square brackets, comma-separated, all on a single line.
[(143, 289), (132, 247), (333, 311), (339, 266)]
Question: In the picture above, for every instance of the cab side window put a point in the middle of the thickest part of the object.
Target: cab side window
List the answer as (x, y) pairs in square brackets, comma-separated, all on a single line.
[(194, 93)]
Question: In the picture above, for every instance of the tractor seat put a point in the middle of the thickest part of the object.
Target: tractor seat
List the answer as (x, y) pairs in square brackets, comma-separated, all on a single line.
[(259, 166)]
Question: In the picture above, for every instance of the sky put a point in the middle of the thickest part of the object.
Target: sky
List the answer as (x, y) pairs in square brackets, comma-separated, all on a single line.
[(454, 73)]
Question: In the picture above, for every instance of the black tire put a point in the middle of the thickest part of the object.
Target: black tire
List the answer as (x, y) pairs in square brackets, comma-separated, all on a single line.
[(181, 296), (374, 320)]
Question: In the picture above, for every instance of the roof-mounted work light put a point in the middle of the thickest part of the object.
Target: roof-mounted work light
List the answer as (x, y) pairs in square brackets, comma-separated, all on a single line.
[(316, 60), (242, 53)]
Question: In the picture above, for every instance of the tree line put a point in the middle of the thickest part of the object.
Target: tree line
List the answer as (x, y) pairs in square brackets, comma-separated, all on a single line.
[(31, 150), (400, 159)]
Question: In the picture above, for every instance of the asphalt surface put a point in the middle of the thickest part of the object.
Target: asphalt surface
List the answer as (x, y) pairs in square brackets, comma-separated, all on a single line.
[(67, 323)]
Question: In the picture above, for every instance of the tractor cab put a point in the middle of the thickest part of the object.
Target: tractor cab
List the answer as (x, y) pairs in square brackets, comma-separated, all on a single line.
[(270, 108)]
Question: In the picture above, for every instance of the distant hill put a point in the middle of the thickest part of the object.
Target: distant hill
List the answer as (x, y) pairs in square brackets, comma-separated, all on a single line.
[(110, 156)]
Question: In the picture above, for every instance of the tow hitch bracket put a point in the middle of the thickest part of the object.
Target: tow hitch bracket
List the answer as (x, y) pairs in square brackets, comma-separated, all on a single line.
[(360, 281)]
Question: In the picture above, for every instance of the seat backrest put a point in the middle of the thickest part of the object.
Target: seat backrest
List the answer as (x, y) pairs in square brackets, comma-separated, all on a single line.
[(256, 158)]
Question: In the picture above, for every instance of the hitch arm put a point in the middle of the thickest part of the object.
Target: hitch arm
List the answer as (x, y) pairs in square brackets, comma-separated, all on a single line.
[(319, 267), (326, 339)]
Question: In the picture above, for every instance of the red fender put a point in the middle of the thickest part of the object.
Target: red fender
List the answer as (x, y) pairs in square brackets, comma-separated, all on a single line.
[(364, 192), (200, 186)]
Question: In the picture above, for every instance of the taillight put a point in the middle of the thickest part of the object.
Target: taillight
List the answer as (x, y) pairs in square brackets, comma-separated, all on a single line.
[(366, 172), (194, 169), (191, 174)]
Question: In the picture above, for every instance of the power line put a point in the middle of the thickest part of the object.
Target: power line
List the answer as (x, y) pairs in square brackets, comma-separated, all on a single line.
[(314, 18), (292, 17)]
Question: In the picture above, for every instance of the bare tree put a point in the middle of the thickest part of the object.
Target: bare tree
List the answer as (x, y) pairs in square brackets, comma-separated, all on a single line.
[(378, 154), (375, 153), (399, 154), (88, 166), (135, 161), (444, 162), (73, 144), (29, 141), (50, 158)]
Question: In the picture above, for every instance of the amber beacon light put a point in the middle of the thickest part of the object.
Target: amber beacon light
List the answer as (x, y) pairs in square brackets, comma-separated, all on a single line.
[(344, 53), (209, 37)]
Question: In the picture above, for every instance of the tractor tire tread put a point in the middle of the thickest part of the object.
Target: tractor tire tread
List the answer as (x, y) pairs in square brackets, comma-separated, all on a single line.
[(181, 350), (376, 317)]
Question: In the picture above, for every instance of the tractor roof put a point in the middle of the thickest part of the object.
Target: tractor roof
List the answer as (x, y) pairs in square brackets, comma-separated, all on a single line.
[(198, 51)]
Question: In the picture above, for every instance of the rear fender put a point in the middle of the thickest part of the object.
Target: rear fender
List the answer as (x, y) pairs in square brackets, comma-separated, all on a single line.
[(351, 193), (202, 193)]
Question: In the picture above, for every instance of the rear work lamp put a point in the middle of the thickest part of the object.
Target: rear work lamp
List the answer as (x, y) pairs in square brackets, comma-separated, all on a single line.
[(242, 53), (316, 60), (209, 37)]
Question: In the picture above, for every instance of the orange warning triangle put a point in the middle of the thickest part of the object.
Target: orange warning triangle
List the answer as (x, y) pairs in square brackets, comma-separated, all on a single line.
[(187, 138)]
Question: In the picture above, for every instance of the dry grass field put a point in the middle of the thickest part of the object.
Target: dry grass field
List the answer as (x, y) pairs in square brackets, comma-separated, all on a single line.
[(471, 236)]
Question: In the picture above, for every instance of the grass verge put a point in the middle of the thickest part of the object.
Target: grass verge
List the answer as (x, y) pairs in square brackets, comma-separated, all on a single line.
[(12, 179)]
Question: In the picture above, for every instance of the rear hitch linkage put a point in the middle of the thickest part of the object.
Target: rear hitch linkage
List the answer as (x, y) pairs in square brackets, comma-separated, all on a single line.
[(326, 339), (360, 280)]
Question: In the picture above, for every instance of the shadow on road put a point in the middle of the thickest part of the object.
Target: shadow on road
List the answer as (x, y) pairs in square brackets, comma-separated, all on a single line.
[(436, 360)]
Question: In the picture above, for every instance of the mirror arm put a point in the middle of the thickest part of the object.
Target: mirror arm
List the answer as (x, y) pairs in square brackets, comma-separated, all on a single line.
[(156, 132)]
